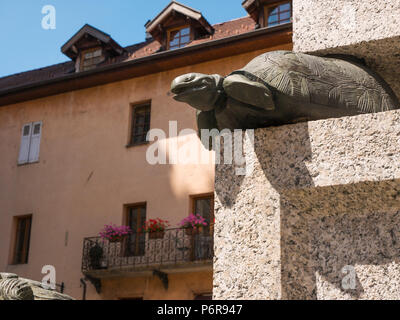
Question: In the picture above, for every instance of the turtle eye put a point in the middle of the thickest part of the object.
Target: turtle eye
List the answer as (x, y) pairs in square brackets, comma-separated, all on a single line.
[(188, 78)]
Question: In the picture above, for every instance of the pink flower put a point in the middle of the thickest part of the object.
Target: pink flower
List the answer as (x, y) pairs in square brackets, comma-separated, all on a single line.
[(193, 221), (111, 231)]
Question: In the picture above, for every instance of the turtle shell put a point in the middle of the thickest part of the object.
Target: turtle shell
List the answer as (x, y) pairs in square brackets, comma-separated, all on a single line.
[(324, 81), (15, 289)]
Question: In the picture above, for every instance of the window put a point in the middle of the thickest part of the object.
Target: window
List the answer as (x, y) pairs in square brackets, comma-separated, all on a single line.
[(204, 206), (22, 237), (202, 244), (178, 38), (90, 59), (136, 219), (204, 296), (30, 143), (278, 14), (140, 124)]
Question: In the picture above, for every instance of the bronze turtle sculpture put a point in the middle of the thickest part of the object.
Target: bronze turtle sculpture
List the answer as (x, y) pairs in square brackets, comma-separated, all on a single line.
[(282, 87), (14, 288)]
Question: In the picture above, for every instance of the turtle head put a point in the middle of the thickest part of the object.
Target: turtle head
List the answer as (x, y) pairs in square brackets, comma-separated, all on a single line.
[(201, 91)]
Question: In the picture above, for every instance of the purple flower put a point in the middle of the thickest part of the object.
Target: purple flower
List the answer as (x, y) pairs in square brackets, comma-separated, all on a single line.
[(193, 221), (111, 231)]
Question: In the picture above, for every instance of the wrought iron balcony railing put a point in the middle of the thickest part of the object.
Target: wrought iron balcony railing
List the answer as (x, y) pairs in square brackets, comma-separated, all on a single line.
[(141, 250)]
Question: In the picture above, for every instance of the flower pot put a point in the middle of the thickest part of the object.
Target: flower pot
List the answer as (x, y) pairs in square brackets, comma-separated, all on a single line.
[(116, 239), (193, 231), (156, 235)]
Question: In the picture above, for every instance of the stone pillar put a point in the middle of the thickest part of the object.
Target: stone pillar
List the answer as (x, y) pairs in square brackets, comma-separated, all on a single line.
[(318, 216)]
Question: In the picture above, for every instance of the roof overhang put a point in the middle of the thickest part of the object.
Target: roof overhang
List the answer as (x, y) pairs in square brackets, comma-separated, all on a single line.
[(216, 49)]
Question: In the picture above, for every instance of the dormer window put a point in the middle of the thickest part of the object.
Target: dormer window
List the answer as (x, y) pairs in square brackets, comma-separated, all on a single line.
[(277, 15), (177, 25), (91, 58), (178, 37), (89, 47), (269, 13)]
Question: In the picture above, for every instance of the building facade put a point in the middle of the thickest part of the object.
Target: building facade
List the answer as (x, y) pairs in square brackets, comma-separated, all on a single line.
[(75, 156)]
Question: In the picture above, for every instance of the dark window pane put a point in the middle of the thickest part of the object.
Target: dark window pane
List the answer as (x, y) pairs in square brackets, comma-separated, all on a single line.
[(204, 206), (202, 248), (206, 296), (136, 241), (91, 59), (140, 124), (140, 119), (26, 130), (22, 240), (36, 129)]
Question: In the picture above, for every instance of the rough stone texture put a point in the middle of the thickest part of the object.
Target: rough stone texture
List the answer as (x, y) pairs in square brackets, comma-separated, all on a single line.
[(14, 288), (330, 23), (367, 29), (321, 195)]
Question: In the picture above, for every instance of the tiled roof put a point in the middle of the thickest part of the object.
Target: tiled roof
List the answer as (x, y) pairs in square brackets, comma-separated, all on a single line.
[(222, 30), (37, 75), (228, 29)]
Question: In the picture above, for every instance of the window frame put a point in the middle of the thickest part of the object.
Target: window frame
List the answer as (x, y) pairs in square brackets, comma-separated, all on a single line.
[(270, 7), (170, 31), (82, 58), (27, 240), (203, 296), (196, 197), (134, 107), (28, 139), (138, 252)]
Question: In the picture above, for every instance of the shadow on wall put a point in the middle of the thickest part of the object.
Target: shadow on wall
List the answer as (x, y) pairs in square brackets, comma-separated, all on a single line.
[(274, 152), (324, 229)]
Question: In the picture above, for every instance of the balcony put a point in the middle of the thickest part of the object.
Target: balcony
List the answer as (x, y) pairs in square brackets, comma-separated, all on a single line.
[(139, 254)]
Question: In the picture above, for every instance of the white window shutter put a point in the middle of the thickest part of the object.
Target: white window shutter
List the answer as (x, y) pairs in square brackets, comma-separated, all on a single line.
[(25, 143), (35, 142)]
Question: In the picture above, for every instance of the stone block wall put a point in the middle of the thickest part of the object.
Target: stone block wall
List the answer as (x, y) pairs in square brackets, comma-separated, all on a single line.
[(317, 218), (319, 215)]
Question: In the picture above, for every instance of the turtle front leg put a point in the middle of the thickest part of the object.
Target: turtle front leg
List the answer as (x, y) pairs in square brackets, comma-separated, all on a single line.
[(206, 120), (250, 92)]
